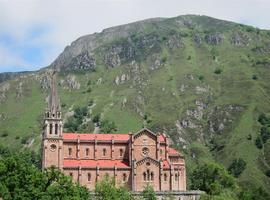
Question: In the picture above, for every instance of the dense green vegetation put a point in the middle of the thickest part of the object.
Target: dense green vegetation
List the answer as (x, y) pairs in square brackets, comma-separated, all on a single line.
[(215, 180), (203, 81), (237, 167), (21, 178), (106, 190), (264, 131), (212, 178)]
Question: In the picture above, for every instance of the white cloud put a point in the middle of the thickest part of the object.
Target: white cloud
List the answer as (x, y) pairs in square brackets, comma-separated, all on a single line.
[(66, 20), (8, 58)]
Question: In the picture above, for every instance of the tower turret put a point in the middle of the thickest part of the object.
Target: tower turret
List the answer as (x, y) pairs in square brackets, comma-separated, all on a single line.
[(52, 141), (52, 118)]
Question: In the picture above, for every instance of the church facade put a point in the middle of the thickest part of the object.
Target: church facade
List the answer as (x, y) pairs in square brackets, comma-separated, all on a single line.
[(133, 159)]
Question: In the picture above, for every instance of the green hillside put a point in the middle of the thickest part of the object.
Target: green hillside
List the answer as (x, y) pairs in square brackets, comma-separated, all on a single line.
[(201, 80)]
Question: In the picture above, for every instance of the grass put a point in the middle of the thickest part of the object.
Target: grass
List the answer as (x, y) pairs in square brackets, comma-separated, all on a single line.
[(158, 94)]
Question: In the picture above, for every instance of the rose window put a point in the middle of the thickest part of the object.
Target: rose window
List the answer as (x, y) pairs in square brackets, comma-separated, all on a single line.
[(53, 147), (145, 151)]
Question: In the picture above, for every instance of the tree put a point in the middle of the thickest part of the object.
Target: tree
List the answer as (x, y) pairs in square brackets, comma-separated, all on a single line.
[(265, 134), (106, 190), (80, 112), (72, 124), (258, 142), (107, 126), (254, 193), (237, 167), (263, 119), (20, 179), (148, 193), (212, 178), (96, 118)]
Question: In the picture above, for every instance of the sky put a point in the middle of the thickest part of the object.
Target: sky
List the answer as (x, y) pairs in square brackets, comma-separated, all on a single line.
[(34, 32)]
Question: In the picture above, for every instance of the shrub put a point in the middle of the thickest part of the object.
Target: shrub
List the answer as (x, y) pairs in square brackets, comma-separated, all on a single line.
[(4, 151), (106, 190), (254, 193), (254, 77), (250, 29), (90, 102), (258, 143), (4, 134), (96, 118), (267, 173), (263, 119), (201, 77), (218, 71), (237, 167), (164, 59), (25, 139), (265, 134), (89, 90), (148, 193), (249, 137)]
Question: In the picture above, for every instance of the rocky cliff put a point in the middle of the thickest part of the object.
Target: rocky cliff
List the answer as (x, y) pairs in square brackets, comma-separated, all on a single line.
[(201, 80)]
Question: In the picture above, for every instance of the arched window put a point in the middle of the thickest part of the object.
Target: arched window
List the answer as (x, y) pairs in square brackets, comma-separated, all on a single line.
[(104, 152), (87, 152), (144, 176), (165, 177), (148, 175), (69, 151), (160, 151), (51, 127), (152, 176), (56, 129), (176, 177), (124, 177), (121, 152), (89, 177)]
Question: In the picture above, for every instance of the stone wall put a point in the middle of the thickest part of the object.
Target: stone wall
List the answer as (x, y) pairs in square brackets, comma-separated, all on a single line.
[(173, 195)]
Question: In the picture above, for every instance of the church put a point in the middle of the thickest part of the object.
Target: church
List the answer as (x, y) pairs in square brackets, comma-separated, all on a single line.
[(133, 159)]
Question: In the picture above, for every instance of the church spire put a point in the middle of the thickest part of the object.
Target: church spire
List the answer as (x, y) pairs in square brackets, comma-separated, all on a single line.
[(54, 103)]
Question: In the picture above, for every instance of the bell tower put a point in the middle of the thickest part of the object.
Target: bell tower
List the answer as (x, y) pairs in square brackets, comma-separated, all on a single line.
[(52, 141)]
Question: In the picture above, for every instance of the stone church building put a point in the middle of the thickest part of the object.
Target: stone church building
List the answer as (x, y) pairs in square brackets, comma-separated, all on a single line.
[(133, 159)]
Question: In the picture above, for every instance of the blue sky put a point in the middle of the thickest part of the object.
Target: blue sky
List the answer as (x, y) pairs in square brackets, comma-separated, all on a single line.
[(34, 32)]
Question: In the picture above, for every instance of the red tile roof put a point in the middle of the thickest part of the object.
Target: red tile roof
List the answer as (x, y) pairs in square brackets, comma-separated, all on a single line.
[(91, 136), (101, 137), (173, 152), (94, 163), (162, 138)]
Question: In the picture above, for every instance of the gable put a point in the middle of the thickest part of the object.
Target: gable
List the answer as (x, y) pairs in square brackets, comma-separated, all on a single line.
[(147, 160), (145, 137)]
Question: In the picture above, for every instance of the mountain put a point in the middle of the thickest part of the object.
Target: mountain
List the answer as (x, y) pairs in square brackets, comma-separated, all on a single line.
[(203, 81)]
